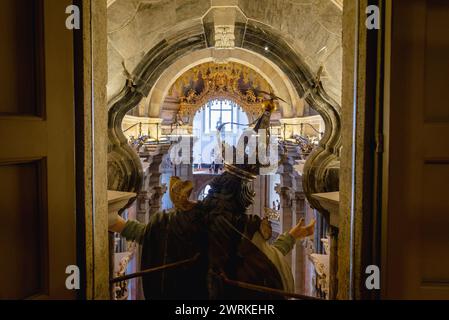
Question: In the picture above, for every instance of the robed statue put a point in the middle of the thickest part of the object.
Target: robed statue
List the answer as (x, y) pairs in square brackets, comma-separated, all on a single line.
[(225, 242)]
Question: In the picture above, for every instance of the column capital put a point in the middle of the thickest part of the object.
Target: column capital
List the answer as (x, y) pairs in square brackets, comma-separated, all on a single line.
[(285, 192)]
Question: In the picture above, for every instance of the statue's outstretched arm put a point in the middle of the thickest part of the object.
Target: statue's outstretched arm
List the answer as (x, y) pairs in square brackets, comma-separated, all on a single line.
[(285, 242), (131, 230), (116, 224), (135, 231), (301, 231)]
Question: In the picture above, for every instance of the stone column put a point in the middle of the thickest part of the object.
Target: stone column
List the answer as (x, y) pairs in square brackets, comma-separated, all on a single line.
[(299, 252), (293, 202), (185, 170), (258, 208), (149, 197), (142, 206), (155, 190), (331, 203), (155, 198), (286, 194)]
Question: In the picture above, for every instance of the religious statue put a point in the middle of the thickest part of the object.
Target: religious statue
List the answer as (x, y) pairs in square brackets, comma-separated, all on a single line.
[(229, 243)]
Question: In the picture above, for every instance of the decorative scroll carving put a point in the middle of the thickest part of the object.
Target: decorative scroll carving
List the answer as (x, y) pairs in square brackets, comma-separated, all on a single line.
[(224, 37), (152, 190)]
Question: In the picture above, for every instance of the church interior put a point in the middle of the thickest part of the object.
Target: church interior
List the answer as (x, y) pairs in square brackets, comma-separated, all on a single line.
[(115, 134)]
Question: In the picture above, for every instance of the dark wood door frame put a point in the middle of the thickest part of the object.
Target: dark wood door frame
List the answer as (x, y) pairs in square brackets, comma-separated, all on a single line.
[(80, 156)]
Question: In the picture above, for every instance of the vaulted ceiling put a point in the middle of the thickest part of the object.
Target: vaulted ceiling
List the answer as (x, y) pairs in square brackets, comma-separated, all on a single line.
[(311, 29)]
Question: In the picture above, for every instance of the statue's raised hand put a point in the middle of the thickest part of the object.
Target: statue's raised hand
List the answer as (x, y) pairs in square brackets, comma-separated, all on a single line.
[(301, 231)]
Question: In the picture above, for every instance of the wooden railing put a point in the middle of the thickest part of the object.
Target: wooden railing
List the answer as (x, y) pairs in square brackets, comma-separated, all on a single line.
[(222, 276)]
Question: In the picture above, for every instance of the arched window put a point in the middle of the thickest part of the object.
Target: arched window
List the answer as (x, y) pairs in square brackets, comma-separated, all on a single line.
[(217, 112), (205, 124)]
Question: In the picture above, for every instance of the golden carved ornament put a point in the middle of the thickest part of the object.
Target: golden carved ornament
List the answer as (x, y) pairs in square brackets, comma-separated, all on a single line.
[(231, 81)]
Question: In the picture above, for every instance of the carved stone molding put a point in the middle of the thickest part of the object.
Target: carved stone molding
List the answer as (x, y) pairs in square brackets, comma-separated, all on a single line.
[(224, 36)]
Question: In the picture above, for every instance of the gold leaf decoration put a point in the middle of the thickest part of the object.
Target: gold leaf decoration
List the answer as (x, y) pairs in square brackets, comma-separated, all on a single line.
[(232, 81)]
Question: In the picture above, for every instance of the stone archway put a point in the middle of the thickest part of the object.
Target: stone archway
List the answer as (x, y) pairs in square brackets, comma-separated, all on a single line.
[(260, 64), (321, 172)]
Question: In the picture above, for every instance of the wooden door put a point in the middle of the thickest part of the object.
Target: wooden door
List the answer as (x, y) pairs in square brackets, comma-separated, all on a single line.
[(415, 235), (37, 175)]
